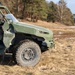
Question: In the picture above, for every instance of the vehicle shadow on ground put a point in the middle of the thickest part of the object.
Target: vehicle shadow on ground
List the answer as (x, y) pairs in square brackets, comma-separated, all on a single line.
[(7, 60)]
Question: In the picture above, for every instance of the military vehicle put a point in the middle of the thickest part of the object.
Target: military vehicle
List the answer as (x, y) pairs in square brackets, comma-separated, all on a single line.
[(24, 41)]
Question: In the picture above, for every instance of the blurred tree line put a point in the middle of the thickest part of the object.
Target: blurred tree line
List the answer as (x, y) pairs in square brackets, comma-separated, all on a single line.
[(41, 10)]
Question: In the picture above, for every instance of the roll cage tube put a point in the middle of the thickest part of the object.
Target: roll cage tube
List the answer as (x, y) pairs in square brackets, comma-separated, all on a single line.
[(6, 9), (4, 16)]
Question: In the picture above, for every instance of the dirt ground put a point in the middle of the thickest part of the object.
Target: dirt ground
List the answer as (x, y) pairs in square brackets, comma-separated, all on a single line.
[(56, 61)]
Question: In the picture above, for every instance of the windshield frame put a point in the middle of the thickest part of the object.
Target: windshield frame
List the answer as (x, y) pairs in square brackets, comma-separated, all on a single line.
[(11, 17)]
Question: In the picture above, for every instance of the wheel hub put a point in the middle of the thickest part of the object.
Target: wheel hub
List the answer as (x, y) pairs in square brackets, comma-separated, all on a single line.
[(28, 54)]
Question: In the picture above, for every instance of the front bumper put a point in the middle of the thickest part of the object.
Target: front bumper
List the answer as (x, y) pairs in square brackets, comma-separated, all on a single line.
[(50, 44)]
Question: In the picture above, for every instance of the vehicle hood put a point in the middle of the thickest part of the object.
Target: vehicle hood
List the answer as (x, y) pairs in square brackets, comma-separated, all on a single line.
[(34, 30), (32, 26)]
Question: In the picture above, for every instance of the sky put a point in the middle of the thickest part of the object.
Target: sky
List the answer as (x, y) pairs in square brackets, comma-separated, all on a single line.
[(70, 4)]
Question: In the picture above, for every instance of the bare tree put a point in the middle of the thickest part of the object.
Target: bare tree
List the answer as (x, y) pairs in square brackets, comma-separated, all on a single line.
[(61, 8)]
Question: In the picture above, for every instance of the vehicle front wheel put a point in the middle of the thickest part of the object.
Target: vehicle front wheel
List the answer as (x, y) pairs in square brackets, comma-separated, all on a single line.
[(28, 54)]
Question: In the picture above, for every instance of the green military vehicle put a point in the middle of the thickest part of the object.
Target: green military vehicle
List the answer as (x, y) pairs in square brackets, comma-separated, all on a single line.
[(24, 41)]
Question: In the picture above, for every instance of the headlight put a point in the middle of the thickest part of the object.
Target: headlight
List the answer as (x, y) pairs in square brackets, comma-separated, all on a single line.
[(42, 32)]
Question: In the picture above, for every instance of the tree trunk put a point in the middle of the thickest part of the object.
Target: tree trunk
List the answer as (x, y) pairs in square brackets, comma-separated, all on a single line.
[(23, 12)]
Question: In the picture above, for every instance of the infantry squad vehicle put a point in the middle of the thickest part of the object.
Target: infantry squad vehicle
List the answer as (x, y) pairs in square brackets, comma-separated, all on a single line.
[(24, 41)]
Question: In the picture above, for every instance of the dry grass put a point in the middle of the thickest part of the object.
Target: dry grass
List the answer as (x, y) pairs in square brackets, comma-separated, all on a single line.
[(45, 24)]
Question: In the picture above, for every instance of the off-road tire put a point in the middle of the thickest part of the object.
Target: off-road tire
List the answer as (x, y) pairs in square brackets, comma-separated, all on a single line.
[(25, 59)]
